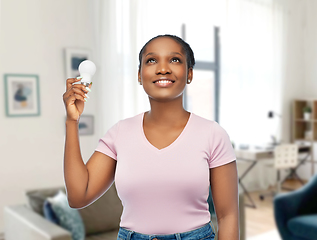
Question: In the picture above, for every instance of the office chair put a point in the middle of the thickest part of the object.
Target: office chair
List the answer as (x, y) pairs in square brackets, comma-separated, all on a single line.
[(285, 157)]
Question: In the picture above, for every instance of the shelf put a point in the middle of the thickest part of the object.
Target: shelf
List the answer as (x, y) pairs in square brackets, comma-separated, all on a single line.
[(300, 128), (305, 130), (302, 140), (303, 143), (304, 120), (298, 108)]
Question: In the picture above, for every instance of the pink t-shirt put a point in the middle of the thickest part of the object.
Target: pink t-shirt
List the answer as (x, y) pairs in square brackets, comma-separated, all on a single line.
[(165, 191)]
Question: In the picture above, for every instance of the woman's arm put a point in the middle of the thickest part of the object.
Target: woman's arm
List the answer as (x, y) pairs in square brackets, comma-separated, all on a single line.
[(75, 171), (224, 188)]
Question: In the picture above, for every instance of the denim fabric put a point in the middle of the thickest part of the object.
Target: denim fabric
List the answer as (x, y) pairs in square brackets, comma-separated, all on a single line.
[(204, 233)]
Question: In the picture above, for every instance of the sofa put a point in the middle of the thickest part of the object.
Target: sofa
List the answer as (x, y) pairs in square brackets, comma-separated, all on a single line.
[(101, 219), (296, 212), (27, 222)]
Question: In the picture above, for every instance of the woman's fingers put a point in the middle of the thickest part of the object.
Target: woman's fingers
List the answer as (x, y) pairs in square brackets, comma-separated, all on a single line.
[(79, 90), (75, 97), (72, 98), (70, 82)]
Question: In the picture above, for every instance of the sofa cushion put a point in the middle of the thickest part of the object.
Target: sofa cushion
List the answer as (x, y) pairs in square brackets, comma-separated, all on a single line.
[(68, 217), (104, 214), (304, 226), (49, 212), (36, 198)]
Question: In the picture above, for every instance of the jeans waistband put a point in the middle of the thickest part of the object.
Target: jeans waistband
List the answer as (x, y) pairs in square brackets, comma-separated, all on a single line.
[(127, 234)]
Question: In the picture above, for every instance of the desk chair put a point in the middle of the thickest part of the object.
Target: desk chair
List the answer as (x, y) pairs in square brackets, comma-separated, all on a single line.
[(285, 157), (293, 174)]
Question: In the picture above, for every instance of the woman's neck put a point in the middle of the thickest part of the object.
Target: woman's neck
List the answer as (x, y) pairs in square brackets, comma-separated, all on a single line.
[(167, 113)]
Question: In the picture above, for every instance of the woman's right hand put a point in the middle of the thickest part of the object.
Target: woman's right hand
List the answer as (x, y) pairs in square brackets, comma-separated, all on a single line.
[(74, 99)]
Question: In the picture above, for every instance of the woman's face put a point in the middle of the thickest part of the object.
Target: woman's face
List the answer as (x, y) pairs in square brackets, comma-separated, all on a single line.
[(163, 71)]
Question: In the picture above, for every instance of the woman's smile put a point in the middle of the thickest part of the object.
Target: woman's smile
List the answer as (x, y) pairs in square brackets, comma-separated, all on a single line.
[(163, 82)]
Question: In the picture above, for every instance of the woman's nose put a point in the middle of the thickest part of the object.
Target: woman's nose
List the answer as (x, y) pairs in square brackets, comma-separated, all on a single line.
[(163, 68)]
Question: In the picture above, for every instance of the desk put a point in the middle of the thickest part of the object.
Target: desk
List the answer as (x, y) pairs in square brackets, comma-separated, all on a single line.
[(254, 155)]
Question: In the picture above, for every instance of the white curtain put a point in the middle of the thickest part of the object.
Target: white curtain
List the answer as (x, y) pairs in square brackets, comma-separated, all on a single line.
[(251, 76), (252, 38), (116, 34)]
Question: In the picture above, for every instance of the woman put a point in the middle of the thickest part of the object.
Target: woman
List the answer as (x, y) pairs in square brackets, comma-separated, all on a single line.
[(162, 160)]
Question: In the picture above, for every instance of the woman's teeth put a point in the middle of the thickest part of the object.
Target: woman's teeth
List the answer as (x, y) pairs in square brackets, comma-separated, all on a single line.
[(163, 81)]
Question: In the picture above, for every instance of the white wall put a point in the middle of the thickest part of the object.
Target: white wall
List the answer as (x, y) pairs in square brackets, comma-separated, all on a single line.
[(310, 48), (309, 83), (294, 73), (33, 36), (300, 68)]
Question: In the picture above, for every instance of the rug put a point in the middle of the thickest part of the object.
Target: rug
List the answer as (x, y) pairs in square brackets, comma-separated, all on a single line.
[(272, 235)]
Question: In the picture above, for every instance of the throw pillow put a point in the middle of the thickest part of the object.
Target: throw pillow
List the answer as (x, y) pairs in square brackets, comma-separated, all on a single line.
[(37, 197), (49, 213), (68, 217)]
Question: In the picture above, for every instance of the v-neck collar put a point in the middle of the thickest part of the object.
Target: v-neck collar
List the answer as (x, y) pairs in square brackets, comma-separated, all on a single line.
[(169, 146)]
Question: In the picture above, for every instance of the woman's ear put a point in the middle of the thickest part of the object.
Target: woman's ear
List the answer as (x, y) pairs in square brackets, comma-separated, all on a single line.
[(139, 77), (190, 75)]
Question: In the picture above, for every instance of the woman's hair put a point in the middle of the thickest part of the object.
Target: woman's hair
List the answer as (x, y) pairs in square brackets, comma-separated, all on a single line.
[(187, 49)]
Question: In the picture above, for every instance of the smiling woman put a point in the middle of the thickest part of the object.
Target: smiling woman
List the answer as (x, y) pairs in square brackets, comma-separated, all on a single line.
[(163, 161), (168, 62)]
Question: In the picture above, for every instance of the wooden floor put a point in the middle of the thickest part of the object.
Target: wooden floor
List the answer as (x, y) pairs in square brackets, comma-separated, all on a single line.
[(261, 219)]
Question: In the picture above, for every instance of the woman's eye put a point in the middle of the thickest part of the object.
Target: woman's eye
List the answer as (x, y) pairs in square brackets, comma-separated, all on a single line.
[(151, 60), (175, 60)]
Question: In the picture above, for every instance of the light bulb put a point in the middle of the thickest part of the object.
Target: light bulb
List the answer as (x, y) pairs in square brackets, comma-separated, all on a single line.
[(86, 69)]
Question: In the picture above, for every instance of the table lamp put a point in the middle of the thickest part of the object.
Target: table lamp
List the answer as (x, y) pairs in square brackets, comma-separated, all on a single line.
[(271, 114)]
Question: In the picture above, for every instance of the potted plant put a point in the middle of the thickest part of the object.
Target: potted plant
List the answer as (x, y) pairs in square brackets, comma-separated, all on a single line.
[(307, 112)]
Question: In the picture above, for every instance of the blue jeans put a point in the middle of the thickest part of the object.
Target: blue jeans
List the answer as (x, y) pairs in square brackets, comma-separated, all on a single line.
[(206, 232)]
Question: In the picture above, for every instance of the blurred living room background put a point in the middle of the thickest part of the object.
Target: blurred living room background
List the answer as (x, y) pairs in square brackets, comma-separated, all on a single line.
[(254, 57)]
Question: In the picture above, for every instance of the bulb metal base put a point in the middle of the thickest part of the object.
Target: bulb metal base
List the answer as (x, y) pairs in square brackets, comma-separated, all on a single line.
[(86, 84)]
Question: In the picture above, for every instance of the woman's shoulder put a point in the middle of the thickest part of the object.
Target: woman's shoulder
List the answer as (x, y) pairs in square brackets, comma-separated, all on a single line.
[(202, 121), (130, 121), (207, 124)]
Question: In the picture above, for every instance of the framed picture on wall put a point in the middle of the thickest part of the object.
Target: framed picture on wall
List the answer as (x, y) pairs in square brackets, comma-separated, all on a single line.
[(22, 95), (73, 57), (86, 125)]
